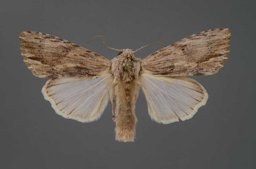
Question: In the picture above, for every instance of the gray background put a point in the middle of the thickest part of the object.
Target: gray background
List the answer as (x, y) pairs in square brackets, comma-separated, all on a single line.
[(221, 135)]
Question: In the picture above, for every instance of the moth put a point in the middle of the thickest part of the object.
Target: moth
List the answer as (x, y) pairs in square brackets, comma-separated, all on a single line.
[(81, 82)]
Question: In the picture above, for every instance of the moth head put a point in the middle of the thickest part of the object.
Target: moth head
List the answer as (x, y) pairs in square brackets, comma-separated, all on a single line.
[(127, 53)]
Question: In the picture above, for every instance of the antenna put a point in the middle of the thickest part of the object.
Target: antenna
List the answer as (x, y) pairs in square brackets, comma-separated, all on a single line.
[(103, 41), (144, 46)]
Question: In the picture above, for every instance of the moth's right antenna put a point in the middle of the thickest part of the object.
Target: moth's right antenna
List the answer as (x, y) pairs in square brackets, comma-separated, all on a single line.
[(109, 47)]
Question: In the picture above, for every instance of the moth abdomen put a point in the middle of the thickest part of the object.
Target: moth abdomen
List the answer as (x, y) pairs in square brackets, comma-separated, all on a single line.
[(125, 119)]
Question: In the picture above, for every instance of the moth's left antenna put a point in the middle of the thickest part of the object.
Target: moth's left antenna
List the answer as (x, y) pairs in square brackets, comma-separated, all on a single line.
[(144, 46), (103, 40)]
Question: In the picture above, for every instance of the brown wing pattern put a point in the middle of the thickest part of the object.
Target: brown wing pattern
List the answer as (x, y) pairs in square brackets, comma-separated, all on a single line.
[(200, 54), (50, 56)]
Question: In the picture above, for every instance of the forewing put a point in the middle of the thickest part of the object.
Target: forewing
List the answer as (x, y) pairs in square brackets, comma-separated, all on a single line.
[(172, 99), (82, 99), (200, 54), (46, 55)]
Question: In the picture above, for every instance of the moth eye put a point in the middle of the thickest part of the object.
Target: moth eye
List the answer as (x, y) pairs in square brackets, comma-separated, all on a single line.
[(119, 53)]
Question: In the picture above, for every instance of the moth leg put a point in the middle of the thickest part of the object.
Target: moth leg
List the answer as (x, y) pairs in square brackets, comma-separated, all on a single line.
[(114, 108), (113, 100)]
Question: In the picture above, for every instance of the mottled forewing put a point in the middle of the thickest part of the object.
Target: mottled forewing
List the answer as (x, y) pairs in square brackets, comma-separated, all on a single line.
[(200, 54), (50, 56)]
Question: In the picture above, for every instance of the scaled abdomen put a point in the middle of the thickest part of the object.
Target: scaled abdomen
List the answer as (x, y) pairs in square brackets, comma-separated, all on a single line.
[(124, 100)]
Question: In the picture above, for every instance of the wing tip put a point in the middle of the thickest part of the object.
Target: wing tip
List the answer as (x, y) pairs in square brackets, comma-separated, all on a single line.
[(220, 29), (26, 33)]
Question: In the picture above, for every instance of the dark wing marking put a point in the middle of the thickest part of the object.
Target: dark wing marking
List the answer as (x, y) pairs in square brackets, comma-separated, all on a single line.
[(200, 54), (50, 56)]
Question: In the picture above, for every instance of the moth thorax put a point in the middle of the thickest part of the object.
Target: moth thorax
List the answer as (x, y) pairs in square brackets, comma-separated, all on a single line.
[(128, 65), (129, 69), (125, 66)]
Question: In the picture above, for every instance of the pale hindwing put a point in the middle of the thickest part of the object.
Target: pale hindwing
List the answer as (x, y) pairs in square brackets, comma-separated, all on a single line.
[(172, 99), (82, 99)]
